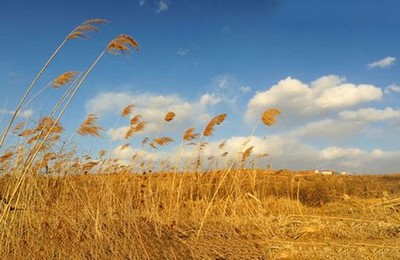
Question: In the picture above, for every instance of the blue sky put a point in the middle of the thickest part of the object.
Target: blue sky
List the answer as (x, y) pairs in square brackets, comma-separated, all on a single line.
[(329, 65)]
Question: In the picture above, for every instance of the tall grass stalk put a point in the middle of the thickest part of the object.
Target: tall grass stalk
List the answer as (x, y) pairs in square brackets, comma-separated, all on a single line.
[(267, 118), (42, 142), (79, 32), (28, 90)]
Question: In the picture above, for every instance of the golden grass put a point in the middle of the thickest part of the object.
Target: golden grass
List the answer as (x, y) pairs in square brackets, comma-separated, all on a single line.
[(122, 44), (82, 30), (56, 204), (154, 216), (217, 120), (64, 79), (90, 126), (169, 116)]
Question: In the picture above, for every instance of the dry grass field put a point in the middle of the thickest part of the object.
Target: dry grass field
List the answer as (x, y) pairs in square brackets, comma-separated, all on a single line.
[(56, 203), (251, 215)]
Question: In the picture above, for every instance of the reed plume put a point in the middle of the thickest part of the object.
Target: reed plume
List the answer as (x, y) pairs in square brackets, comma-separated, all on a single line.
[(145, 141), (90, 126), (217, 120), (134, 120), (189, 135), (48, 125), (247, 153), (7, 156), (134, 129), (64, 79), (122, 44), (169, 116), (124, 146), (46, 129), (82, 30), (18, 127), (161, 141), (79, 32), (25, 132), (127, 110), (269, 116)]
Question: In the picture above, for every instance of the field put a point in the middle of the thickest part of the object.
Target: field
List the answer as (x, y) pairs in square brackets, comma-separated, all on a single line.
[(250, 215), (59, 202)]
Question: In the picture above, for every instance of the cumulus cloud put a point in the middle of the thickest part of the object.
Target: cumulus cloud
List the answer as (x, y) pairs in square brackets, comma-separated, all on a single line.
[(361, 161), (107, 102), (283, 152), (334, 152), (383, 63), (346, 125), (335, 128), (331, 130), (370, 115), (153, 108), (324, 95)]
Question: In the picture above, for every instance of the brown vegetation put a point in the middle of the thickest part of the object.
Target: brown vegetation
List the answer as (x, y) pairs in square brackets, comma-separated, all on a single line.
[(56, 204), (154, 216)]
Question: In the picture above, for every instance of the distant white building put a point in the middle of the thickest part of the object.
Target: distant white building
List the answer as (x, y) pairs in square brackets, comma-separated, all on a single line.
[(324, 172), (330, 172)]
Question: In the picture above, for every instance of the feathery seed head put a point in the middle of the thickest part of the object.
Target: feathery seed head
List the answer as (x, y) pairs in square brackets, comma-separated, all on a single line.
[(217, 120), (190, 135), (247, 153), (161, 141), (124, 146), (18, 127), (86, 27), (134, 120), (64, 79), (89, 126), (269, 116), (127, 110), (122, 44), (5, 157), (47, 124), (169, 116)]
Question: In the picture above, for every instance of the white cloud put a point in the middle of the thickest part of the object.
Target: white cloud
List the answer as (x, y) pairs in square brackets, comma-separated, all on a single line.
[(383, 63), (392, 88), (153, 108), (297, 99), (334, 152), (210, 99), (332, 130), (370, 115), (162, 6), (345, 126), (245, 89), (24, 113), (107, 102), (142, 2), (284, 152)]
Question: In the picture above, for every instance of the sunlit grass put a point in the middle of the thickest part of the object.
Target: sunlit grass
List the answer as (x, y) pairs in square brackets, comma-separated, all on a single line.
[(57, 203)]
